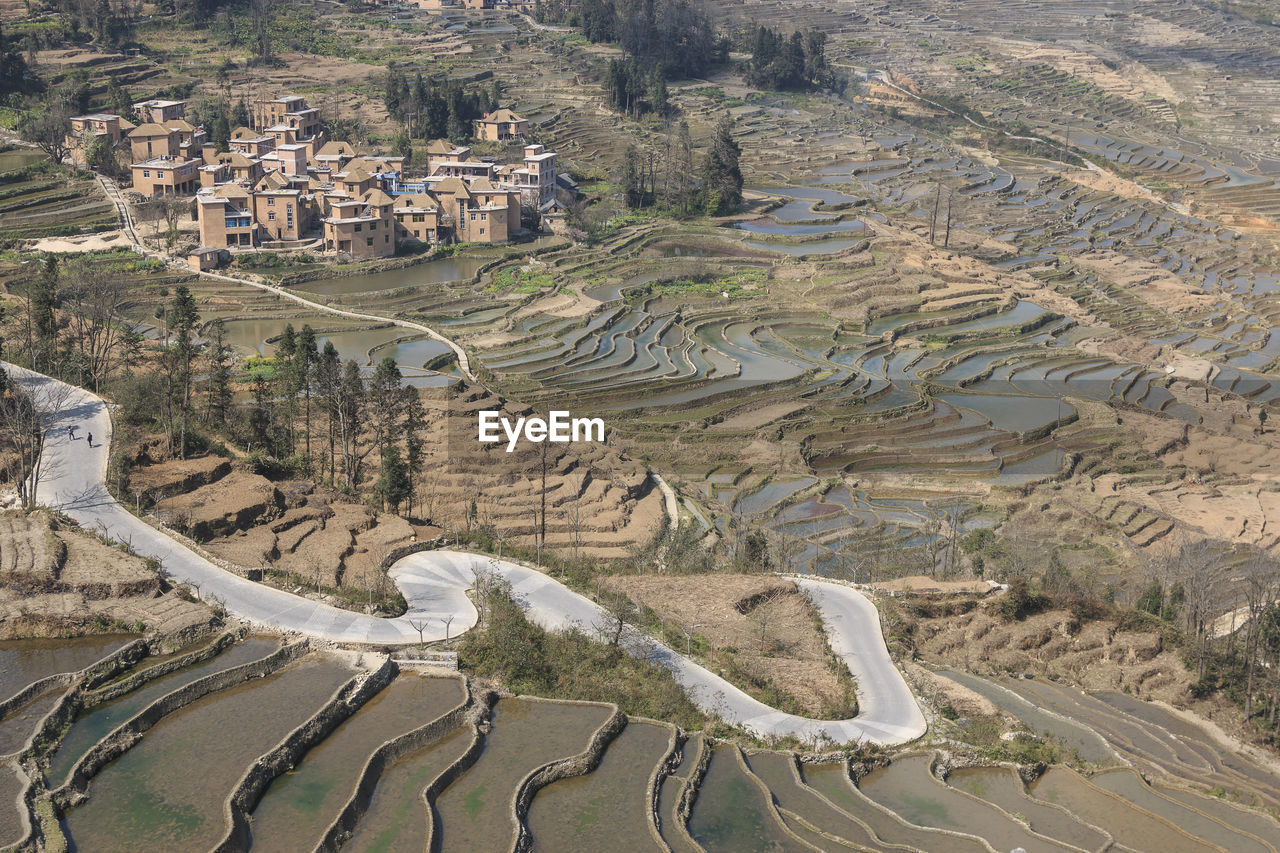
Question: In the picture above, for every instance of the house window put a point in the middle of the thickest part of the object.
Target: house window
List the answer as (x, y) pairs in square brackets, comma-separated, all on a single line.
[(473, 217), (368, 241), (146, 173), (484, 217), (373, 226), (271, 201), (481, 230), (417, 234), (359, 227), (271, 216), (419, 217)]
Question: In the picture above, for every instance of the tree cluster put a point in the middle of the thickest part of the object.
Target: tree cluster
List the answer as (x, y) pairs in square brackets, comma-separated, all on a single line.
[(434, 109), (794, 63), (661, 40), (666, 176)]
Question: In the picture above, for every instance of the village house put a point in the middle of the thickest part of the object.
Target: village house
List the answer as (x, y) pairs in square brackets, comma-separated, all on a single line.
[(417, 219), (361, 228), (165, 175), (280, 214), (225, 217), (250, 143), (500, 126), (537, 178), (159, 112), (154, 140), (108, 127)]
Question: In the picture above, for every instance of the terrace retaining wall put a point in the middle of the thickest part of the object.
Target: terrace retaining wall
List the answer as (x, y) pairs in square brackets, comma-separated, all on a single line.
[(389, 752), (345, 701)]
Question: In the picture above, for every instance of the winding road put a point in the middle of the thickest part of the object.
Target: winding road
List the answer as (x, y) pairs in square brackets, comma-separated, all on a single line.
[(435, 585)]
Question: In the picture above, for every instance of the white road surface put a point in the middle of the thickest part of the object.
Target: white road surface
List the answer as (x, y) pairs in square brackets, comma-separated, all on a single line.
[(435, 585)]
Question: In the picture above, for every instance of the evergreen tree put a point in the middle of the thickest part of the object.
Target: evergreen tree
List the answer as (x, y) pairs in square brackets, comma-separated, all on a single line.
[(329, 385), (218, 358), (183, 318), (722, 175), (415, 424), (239, 115), (393, 480), (305, 360), (42, 324)]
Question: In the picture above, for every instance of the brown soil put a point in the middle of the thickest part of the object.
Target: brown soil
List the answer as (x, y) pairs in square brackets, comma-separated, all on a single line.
[(76, 584), (1096, 656), (727, 610)]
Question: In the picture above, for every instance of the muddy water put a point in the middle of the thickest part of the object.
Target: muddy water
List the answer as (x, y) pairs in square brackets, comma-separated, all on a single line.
[(25, 661), (431, 272), (167, 792), (1086, 742), (1129, 825), (729, 815), (10, 818), (475, 811), (607, 807), (774, 769), (1001, 785), (907, 787), (397, 818), (669, 795), (1253, 822), (833, 782), (1131, 786), (300, 805), (91, 727), (18, 726)]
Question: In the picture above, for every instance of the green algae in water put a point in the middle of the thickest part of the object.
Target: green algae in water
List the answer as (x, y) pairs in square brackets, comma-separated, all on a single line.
[(396, 818), (474, 812), (91, 727), (606, 807), (729, 814), (301, 804), (167, 792)]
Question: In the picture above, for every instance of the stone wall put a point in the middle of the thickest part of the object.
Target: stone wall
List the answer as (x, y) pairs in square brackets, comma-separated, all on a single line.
[(131, 731), (345, 701), (577, 765), (665, 767), (477, 716), (345, 823), (93, 698), (689, 792)]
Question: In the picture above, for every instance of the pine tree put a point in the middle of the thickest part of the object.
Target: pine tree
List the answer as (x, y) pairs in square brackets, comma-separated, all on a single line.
[(219, 389), (393, 481), (721, 171), (183, 317)]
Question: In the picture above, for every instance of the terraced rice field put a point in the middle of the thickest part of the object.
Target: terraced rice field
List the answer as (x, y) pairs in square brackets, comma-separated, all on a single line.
[(459, 782), (37, 200)]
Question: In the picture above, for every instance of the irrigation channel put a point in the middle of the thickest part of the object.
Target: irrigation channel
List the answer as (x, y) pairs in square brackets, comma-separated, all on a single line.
[(303, 749)]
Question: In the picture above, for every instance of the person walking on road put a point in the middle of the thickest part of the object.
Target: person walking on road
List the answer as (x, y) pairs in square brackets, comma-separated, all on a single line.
[(89, 437), (71, 432)]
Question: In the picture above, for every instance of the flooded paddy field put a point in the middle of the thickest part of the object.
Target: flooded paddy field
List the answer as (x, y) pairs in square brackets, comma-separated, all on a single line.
[(302, 803), (148, 798)]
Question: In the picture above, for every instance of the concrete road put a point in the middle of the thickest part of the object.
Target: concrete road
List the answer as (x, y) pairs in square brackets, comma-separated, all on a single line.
[(435, 585)]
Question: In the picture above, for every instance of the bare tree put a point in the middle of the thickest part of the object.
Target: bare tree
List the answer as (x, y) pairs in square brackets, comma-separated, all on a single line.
[(31, 409), (448, 620), (49, 132), (95, 297), (761, 616), (573, 518), (613, 622), (1262, 587), (420, 625)]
